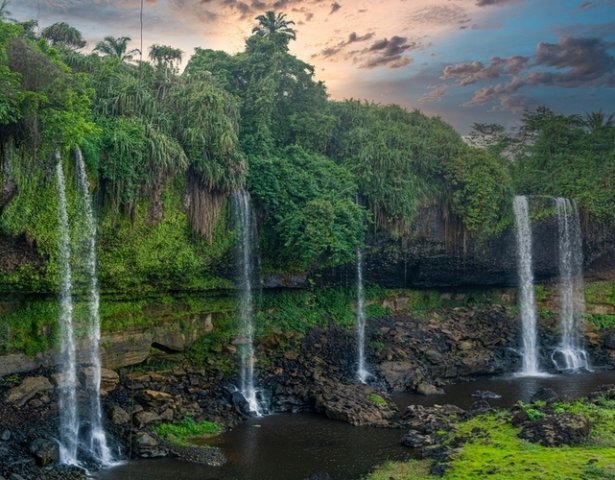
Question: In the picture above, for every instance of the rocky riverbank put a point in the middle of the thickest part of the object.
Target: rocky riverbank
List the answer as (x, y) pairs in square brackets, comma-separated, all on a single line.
[(310, 372)]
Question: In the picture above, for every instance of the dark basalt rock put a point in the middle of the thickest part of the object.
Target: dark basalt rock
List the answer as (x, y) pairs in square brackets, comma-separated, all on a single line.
[(557, 430), (45, 451), (544, 395)]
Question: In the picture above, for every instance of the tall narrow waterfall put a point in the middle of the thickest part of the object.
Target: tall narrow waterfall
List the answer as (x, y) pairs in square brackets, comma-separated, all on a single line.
[(69, 416), (97, 441), (362, 371), (570, 355), (245, 229), (527, 303)]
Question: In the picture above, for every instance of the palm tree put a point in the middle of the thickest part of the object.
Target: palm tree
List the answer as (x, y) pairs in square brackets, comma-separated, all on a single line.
[(594, 120), (165, 56), (64, 35), (270, 23), (116, 48)]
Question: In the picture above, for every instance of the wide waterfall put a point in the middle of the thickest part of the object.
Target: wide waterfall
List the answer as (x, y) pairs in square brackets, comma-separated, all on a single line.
[(69, 415), (362, 371), (527, 304), (569, 355), (97, 441), (245, 260)]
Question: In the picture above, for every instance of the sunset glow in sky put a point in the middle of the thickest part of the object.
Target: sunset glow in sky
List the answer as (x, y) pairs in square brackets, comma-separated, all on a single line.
[(465, 60)]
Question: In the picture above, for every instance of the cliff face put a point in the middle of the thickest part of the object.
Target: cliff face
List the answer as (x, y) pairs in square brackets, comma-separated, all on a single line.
[(444, 254)]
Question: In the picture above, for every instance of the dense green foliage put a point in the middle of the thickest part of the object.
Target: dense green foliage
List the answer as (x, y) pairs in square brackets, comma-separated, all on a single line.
[(165, 149)]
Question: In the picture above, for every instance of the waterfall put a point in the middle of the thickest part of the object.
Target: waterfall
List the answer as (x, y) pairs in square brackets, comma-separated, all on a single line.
[(569, 355), (245, 260), (69, 418), (97, 441), (362, 372), (527, 303)]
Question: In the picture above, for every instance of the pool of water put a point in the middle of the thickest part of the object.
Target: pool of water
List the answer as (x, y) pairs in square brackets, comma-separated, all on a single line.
[(294, 447)]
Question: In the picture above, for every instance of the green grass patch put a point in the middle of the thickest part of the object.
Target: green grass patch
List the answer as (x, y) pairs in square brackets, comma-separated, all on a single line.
[(181, 432), (412, 470), (377, 399)]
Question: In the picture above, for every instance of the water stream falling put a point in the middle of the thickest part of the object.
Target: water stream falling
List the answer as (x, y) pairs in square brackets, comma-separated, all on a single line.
[(244, 226), (569, 355), (362, 372), (69, 415), (527, 304), (97, 441)]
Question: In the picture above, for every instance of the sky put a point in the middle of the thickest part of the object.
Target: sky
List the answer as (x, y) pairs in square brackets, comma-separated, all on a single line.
[(464, 60)]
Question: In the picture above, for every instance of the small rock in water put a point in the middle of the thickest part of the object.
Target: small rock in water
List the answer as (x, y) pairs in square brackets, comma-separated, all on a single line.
[(319, 476), (428, 389), (486, 394), (6, 435), (544, 395)]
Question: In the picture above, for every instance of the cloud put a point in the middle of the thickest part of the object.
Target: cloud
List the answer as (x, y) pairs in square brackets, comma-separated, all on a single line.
[(570, 63), (469, 73), (585, 4), (489, 3), (438, 15), (434, 94), (385, 52), (337, 48), (334, 8)]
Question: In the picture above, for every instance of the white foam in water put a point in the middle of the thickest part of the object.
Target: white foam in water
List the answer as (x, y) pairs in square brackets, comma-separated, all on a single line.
[(527, 304), (570, 355)]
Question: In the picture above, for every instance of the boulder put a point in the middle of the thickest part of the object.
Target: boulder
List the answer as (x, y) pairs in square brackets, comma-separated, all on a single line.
[(544, 395), (428, 420), (609, 340), (557, 430), (146, 446), (398, 375), (428, 389), (156, 398), (109, 379), (145, 418), (119, 416), (29, 388), (44, 451), (414, 439)]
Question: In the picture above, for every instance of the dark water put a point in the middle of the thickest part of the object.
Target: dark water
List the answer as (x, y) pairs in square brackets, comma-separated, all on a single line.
[(293, 447)]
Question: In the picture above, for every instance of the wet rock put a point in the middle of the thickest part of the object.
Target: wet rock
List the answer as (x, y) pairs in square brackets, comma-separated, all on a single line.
[(557, 430), (354, 404), (428, 420), (486, 394), (428, 389), (119, 416), (480, 406), (29, 388), (146, 446), (544, 395), (414, 439), (609, 340), (44, 451), (398, 375), (6, 436), (319, 476), (146, 418)]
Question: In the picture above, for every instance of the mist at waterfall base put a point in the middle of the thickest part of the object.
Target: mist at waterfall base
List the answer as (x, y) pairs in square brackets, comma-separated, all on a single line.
[(246, 261), (82, 437), (570, 355)]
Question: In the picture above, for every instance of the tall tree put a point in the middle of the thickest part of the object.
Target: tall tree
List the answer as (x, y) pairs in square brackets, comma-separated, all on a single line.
[(117, 48), (62, 34), (594, 120), (165, 56), (4, 13), (275, 26)]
